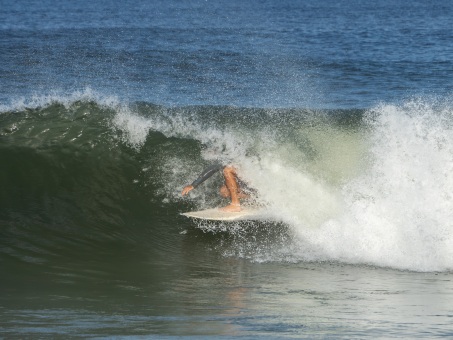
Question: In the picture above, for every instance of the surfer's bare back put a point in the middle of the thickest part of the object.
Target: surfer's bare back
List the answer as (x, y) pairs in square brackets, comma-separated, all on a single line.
[(229, 189)]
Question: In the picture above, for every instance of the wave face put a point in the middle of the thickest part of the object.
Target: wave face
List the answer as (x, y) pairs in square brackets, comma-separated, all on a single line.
[(356, 186)]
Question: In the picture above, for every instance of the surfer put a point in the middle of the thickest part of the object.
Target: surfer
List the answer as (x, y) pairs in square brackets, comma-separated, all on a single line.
[(230, 189)]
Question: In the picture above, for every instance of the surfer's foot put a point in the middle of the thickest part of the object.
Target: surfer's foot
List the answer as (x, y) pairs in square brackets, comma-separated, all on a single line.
[(231, 208)]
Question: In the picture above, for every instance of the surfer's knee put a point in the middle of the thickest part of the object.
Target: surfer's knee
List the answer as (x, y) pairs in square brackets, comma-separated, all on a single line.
[(224, 192), (229, 171)]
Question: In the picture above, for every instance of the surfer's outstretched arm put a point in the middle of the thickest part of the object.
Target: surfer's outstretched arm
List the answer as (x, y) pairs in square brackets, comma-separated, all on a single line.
[(208, 172)]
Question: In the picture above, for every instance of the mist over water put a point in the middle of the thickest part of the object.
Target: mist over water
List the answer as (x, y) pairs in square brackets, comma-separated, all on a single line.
[(337, 113)]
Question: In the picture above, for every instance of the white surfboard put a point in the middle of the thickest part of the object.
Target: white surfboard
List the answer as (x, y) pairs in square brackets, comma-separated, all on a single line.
[(247, 213)]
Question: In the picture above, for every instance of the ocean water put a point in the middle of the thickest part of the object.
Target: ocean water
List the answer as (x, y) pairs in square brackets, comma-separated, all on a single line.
[(338, 113)]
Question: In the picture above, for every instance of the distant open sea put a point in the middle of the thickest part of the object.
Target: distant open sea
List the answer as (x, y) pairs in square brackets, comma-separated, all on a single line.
[(338, 113)]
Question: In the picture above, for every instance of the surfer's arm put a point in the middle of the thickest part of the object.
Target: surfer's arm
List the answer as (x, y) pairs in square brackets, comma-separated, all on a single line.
[(208, 172)]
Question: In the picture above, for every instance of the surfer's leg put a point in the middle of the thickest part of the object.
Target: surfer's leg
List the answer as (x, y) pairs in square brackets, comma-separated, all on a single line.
[(232, 185), (224, 192)]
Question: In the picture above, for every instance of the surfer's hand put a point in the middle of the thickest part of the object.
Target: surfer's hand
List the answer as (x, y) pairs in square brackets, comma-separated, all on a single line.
[(186, 189)]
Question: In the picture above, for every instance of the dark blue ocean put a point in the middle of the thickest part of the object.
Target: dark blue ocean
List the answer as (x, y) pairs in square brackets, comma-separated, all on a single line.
[(339, 115), (327, 54)]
